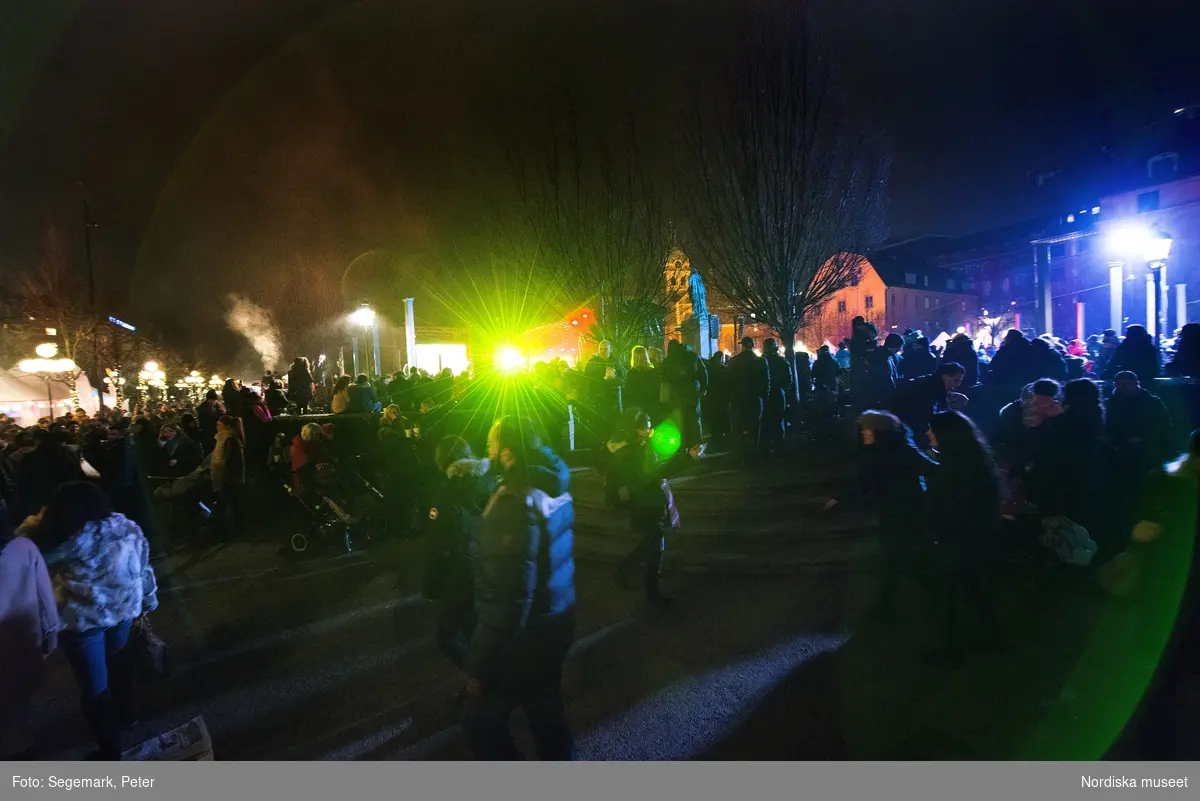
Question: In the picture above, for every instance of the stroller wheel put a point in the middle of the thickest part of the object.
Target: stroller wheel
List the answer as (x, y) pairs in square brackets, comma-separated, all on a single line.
[(299, 543)]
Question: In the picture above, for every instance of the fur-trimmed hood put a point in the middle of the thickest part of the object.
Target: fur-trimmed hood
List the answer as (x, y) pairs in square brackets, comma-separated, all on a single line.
[(469, 468)]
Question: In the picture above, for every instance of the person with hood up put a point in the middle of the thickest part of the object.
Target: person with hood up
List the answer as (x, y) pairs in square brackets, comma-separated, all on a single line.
[(1186, 362), (1137, 354), (917, 359), (459, 499), (29, 627), (883, 372), (99, 562), (961, 349), (1047, 362), (301, 387), (825, 371), (964, 513), (1013, 365), (749, 385), (895, 477), (524, 600), (634, 484)]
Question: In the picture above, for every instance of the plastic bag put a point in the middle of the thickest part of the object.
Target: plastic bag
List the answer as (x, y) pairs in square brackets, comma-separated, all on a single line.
[(1069, 540)]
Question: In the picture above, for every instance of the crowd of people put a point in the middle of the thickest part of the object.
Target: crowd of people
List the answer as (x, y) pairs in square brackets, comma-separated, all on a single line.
[(1070, 466)]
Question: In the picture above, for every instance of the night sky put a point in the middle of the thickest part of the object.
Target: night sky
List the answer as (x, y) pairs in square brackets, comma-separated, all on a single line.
[(260, 147)]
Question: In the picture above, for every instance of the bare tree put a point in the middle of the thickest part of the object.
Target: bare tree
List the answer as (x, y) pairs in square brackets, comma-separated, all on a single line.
[(783, 187), (590, 224)]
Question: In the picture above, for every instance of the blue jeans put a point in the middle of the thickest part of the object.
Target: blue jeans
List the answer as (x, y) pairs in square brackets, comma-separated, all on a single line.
[(103, 665)]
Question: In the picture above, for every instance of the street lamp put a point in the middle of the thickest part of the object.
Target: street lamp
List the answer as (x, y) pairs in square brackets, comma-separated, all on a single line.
[(47, 367), (364, 317), (194, 383), (1152, 246)]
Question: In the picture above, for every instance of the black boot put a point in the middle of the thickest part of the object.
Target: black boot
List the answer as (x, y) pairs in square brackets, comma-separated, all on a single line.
[(101, 714)]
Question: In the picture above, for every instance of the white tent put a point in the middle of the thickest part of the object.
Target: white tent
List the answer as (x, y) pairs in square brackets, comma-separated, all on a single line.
[(27, 397)]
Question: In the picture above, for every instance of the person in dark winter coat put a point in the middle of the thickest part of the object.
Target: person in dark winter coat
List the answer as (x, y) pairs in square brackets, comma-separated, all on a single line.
[(1047, 363), (915, 402), (301, 386), (961, 349), (1013, 365), (825, 371), (1139, 432), (1186, 362), (524, 600), (122, 477), (1020, 426), (363, 399), (276, 400), (642, 384), (684, 373), (749, 385), (231, 397), (715, 406), (207, 415), (964, 503), (895, 477), (917, 360), (633, 478), (43, 470), (452, 532), (1067, 464), (864, 340), (1137, 354), (883, 372), (774, 426), (180, 453)]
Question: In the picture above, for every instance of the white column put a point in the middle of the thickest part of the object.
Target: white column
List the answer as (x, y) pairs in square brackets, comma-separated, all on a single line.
[(410, 332), (1181, 318), (1079, 320), (1151, 307), (1116, 293), (1164, 309)]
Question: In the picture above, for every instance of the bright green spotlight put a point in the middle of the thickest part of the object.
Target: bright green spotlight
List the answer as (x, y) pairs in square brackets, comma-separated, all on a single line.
[(510, 360), (665, 440)]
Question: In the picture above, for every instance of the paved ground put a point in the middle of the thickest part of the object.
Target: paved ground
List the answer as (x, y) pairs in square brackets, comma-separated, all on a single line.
[(764, 655)]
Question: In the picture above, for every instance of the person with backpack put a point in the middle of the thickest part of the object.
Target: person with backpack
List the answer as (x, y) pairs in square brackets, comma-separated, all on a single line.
[(524, 600), (633, 484)]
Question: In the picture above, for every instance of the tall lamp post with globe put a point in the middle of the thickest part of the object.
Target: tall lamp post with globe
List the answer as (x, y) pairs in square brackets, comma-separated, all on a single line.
[(47, 366), (364, 317)]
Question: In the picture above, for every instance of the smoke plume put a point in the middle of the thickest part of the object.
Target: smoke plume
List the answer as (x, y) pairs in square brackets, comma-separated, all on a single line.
[(258, 327)]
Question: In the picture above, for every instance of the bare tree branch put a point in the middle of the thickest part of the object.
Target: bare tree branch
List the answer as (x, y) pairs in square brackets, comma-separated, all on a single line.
[(782, 185)]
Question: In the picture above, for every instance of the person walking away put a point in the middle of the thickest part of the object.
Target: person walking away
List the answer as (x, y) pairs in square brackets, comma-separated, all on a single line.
[(1186, 361), (227, 469), (43, 470), (961, 349), (1067, 466), (685, 374), (642, 383), (774, 426), (275, 399), (715, 405), (256, 420), (451, 541), (895, 475), (99, 562), (842, 357), (29, 627), (1136, 354), (964, 503), (122, 478), (301, 387), (207, 415), (1139, 431), (882, 373), (633, 483), (916, 402), (524, 599), (1013, 365), (604, 376), (749, 386), (917, 360), (1047, 362)]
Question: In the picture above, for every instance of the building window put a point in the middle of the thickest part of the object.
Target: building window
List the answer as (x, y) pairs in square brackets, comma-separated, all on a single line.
[(927, 305), (1148, 201), (854, 280), (869, 301), (950, 284), (1006, 286), (1084, 245), (841, 307), (910, 278), (927, 280), (1058, 251)]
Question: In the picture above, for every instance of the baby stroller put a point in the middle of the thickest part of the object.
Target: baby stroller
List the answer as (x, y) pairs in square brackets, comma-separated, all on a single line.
[(328, 494)]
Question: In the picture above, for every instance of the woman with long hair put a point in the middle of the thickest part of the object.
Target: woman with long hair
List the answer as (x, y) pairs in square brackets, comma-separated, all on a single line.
[(301, 386), (964, 503), (227, 469), (100, 564), (642, 383), (340, 402)]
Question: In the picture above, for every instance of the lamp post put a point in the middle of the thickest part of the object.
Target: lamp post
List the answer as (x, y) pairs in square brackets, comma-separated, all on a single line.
[(195, 382), (151, 377), (364, 317), (1153, 246), (1157, 250), (47, 366)]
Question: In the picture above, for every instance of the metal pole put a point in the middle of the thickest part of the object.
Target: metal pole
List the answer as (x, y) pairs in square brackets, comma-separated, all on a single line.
[(410, 333), (1181, 318), (1164, 294), (1116, 293), (354, 340), (1151, 295), (375, 343), (1041, 260)]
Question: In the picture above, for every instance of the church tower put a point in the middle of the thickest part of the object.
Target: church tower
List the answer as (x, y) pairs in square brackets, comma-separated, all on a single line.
[(679, 303)]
